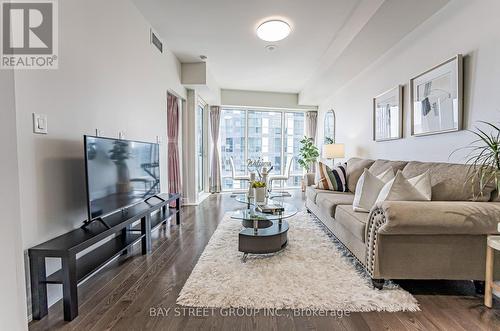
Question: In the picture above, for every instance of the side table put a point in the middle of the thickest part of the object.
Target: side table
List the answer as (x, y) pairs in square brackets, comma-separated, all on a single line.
[(493, 244)]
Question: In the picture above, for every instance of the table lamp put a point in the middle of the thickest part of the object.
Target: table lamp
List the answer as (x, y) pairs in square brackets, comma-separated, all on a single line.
[(333, 151)]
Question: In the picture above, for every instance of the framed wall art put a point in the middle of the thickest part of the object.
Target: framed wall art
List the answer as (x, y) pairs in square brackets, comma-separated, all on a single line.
[(436, 98), (388, 115)]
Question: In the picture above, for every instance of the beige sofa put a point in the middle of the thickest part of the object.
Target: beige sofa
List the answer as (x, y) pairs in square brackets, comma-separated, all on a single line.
[(440, 239)]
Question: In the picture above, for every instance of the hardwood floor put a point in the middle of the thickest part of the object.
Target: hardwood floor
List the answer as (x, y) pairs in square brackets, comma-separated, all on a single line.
[(120, 296)]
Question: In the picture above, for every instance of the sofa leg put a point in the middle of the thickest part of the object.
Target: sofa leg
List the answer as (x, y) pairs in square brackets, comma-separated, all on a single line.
[(479, 285), (378, 283)]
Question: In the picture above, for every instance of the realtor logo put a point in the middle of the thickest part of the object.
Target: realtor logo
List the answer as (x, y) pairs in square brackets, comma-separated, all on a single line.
[(29, 34)]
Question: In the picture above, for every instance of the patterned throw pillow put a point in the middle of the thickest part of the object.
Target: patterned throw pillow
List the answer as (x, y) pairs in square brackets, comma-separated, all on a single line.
[(333, 180)]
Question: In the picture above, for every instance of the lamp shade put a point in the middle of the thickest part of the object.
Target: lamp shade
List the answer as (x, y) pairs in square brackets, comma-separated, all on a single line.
[(333, 151)]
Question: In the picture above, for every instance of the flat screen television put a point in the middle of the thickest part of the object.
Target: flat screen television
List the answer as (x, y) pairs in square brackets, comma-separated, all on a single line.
[(119, 174)]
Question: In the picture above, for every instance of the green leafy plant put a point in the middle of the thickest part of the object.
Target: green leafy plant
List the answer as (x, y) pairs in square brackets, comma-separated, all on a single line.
[(484, 158), (328, 141), (258, 184), (308, 153)]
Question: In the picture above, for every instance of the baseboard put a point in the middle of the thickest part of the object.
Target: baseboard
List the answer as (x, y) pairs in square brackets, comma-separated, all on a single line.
[(200, 199)]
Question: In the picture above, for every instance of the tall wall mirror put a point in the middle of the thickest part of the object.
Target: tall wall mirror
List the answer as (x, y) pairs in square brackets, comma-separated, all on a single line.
[(330, 127)]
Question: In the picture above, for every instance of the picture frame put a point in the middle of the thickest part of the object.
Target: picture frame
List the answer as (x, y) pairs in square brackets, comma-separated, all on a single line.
[(436, 98), (388, 115)]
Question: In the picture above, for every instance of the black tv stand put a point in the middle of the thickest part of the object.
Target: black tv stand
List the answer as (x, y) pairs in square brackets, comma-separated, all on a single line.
[(122, 232), (154, 196), (86, 223)]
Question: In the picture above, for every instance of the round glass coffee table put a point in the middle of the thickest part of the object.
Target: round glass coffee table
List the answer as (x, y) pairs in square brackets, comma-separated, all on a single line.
[(263, 233), (276, 195)]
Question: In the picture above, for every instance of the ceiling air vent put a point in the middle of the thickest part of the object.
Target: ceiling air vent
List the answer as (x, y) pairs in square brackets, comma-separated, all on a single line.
[(156, 41)]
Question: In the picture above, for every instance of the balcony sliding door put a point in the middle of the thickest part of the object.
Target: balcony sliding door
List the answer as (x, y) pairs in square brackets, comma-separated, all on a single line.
[(199, 148)]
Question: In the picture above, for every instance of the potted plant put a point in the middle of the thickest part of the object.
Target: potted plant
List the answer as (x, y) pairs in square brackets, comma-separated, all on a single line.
[(308, 154), (259, 191), (484, 158)]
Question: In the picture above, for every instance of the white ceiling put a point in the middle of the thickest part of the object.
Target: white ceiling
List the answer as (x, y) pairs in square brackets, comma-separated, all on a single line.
[(224, 30), (322, 32)]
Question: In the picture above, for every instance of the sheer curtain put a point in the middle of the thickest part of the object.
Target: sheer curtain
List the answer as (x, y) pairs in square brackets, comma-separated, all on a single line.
[(215, 171), (311, 125), (174, 178)]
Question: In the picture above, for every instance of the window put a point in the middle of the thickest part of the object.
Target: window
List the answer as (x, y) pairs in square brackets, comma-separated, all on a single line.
[(262, 136), (270, 134), (232, 138), (294, 132)]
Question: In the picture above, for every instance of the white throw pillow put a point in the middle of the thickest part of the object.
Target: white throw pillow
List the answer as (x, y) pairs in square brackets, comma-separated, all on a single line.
[(368, 189), (418, 188)]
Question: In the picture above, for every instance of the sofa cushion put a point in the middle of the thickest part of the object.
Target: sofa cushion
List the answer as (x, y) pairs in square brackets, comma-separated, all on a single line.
[(380, 166), (328, 202), (353, 221), (417, 188), (332, 179), (312, 192), (449, 181), (368, 189), (355, 168)]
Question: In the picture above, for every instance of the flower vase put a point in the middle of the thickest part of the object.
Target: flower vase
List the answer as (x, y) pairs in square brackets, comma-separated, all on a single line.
[(260, 194)]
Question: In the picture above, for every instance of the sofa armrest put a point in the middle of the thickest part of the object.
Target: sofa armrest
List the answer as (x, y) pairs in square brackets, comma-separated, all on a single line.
[(428, 218), (438, 217), (309, 179)]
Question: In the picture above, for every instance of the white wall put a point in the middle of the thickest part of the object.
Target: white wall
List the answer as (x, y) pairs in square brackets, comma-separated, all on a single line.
[(189, 194), (12, 298), (196, 76), (463, 26), (262, 99), (110, 78)]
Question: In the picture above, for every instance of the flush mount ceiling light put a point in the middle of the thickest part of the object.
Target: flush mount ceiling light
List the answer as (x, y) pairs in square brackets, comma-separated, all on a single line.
[(273, 30)]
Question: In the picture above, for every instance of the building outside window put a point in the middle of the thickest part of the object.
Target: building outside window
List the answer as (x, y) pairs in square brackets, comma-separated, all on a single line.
[(232, 140), (272, 135), (294, 132)]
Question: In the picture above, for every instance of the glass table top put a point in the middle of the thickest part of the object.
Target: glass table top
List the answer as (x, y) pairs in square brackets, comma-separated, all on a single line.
[(275, 196), (252, 214)]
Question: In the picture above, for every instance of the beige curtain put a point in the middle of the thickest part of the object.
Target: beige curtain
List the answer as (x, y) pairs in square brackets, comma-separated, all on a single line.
[(215, 171), (174, 177)]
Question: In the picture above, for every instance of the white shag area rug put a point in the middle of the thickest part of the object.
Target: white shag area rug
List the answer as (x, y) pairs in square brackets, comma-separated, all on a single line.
[(312, 272)]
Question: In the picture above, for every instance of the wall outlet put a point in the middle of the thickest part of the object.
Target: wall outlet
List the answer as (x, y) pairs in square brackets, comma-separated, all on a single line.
[(121, 135), (158, 140), (40, 123), (98, 133)]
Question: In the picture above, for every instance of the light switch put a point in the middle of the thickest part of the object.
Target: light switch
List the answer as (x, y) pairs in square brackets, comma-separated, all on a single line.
[(40, 123)]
